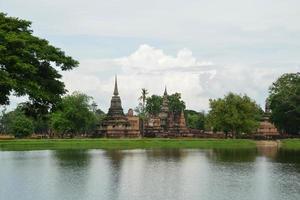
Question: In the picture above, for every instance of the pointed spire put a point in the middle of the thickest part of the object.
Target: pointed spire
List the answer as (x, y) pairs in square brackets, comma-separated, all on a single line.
[(165, 93), (116, 92)]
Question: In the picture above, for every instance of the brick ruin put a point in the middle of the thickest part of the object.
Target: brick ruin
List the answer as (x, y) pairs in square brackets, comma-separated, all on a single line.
[(116, 124), (167, 124), (266, 128)]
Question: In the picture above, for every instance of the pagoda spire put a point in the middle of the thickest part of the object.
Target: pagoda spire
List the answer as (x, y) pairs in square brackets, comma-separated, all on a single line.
[(165, 93), (116, 92)]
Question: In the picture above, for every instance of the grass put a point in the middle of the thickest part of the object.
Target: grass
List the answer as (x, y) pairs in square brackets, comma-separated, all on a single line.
[(45, 144), (290, 144)]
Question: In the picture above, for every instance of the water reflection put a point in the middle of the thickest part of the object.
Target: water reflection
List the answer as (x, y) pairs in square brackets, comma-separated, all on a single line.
[(150, 174), (232, 155), (71, 173)]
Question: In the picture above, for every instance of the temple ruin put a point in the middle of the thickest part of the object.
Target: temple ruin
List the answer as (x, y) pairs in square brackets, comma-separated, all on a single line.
[(116, 123)]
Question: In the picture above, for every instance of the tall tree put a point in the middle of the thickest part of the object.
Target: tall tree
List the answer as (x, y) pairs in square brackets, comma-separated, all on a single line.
[(74, 115), (195, 120), (143, 98), (27, 65), (235, 114), (153, 104), (284, 101), (17, 123), (176, 105)]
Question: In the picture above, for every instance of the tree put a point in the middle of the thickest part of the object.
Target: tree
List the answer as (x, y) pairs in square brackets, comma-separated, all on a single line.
[(284, 102), (176, 105), (195, 120), (143, 98), (153, 104), (235, 114), (17, 123), (26, 65), (74, 115)]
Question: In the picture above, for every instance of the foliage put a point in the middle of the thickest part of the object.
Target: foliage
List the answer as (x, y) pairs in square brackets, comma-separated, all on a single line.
[(141, 109), (74, 115), (153, 104), (195, 120), (26, 65), (143, 97), (235, 114), (176, 105), (17, 123), (284, 101)]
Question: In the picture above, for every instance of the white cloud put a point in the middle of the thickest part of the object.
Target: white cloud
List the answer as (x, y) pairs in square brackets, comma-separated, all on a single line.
[(152, 68)]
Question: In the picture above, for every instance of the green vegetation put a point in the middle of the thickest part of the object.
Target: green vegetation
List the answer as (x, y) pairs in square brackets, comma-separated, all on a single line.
[(17, 123), (195, 120), (234, 114), (26, 65), (284, 103), (125, 144), (290, 144), (74, 115), (154, 103)]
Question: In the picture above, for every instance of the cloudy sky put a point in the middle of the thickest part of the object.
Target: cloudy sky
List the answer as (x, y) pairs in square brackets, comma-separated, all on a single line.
[(202, 49)]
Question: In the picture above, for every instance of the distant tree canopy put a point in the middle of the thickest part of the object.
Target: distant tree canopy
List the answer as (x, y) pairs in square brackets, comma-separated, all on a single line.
[(16, 123), (26, 65), (195, 120), (74, 115), (234, 113), (176, 105), (284, 101), (154, 103)]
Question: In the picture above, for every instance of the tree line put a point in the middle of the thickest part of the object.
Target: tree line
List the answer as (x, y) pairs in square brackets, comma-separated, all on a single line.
[(30, 66)]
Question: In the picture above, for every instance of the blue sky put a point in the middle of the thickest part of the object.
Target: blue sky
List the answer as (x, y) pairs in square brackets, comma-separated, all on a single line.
[(202, 49)]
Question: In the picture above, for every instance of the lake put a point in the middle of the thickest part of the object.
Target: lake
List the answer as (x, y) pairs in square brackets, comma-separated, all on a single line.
[(176, 174)]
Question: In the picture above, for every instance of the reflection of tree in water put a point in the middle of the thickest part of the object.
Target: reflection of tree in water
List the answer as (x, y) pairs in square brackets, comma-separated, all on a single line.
[(233, 155), (289, 156), (73, 171), (72, 158), (167, 154)]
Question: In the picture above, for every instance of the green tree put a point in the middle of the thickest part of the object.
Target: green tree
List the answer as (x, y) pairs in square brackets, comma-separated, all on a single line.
[(74, 115), (235, 114), (176, 105), (17, 123), (195, 120), (284, 102), (153, 104), (143, 98), (27, 65)]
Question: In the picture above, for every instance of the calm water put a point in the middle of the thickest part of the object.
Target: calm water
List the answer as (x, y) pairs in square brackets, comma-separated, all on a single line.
[(150, 174)]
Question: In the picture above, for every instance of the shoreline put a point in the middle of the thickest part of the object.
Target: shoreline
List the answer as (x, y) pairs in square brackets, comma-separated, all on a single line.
[(137, 143)]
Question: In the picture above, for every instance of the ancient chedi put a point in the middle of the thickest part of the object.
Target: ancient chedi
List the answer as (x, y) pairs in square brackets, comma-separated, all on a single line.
[(266, 128), (167, 123), (116, 124)]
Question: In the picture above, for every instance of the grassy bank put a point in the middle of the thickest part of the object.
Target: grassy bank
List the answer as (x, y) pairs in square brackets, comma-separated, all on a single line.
[(290, 144), (44, 144)]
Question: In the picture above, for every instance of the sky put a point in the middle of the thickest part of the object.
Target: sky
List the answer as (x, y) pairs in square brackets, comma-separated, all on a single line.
[(201, 49)]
